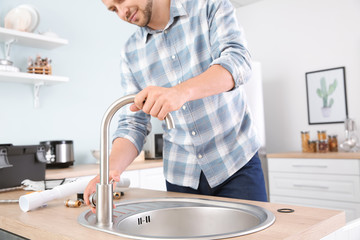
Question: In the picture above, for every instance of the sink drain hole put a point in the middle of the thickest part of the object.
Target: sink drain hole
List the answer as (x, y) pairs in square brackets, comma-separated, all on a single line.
[(286, 210)]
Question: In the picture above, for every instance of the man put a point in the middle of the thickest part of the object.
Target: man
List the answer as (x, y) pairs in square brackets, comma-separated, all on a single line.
[(188, 58)]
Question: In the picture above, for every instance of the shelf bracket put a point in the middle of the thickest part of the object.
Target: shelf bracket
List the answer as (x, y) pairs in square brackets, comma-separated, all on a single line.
[(36, 94), (7, 47)]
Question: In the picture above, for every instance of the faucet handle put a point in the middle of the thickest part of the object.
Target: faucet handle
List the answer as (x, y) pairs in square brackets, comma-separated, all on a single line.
[(169, 120)]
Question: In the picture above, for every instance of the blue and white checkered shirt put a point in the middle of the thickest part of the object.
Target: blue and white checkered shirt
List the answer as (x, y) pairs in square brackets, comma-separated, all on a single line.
[(215, 134)]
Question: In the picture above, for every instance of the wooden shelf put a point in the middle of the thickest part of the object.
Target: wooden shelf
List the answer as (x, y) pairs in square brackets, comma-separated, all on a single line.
[(31, 39)]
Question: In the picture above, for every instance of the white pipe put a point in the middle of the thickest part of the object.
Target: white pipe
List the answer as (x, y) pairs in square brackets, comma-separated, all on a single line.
[(37, 199)]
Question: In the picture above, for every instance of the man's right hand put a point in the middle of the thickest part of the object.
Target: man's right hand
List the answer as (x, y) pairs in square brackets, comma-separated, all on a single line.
[(123, 152), (91, 187)]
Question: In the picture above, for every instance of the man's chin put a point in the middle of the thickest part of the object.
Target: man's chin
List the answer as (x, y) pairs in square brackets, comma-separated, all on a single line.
[(137, 23)]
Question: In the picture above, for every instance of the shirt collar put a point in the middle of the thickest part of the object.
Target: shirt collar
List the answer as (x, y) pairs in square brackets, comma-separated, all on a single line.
[(176, 10)]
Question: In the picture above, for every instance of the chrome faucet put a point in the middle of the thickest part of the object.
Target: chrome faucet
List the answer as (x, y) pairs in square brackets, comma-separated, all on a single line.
[(104, 191)]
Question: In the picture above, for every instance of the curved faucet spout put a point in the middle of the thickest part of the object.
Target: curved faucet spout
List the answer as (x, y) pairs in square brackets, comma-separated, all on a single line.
[(104, 144), (104, 189)]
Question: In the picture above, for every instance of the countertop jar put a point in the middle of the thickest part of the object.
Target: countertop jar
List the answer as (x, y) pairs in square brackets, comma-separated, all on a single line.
[(305, 137), (313, 146), (323, 146), (321, 135), (333, 143)]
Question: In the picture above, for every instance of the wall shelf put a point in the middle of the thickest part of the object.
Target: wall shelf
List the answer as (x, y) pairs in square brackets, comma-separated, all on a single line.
[(10, 37), (30, 78), (30, 39), (38, 80)]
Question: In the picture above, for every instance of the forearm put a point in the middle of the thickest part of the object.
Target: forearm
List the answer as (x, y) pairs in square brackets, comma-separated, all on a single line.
[(214, 80), (123, 152)]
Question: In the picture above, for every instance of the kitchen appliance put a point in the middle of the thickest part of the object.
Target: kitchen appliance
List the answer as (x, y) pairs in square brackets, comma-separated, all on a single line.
[(153, 147), (59, 154)]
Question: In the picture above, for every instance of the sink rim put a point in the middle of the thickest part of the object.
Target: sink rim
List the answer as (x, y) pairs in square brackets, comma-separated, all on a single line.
[(266, 217)]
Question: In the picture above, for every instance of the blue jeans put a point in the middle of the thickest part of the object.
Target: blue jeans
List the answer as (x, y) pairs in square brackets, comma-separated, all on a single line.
[(247, 183)]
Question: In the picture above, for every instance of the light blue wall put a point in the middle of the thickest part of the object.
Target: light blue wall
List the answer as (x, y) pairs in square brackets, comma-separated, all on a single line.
[(70, 110)]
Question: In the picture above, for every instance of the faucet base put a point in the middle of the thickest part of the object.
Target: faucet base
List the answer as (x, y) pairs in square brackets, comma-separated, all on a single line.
[(104, 202)]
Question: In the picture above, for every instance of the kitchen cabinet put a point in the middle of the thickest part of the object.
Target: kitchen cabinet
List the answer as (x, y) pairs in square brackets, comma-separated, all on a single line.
[(151, 178), (133, 176), (11, 37), (242, 3), (328, 180), (146, 174)]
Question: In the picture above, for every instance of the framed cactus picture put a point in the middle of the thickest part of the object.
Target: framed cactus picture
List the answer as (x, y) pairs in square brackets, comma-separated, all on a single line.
[(326, 96)]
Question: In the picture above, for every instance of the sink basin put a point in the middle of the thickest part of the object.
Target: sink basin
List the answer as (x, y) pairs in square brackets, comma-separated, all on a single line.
[(182, 218)]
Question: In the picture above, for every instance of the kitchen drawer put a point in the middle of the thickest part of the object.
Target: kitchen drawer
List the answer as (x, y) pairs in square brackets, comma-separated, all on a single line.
[(315, 186), (322, 166), (352, 210)]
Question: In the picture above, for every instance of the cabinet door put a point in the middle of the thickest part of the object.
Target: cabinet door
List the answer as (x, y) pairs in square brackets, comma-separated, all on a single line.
[(133, 176), (315, 186), (152, 178), (352, 210)]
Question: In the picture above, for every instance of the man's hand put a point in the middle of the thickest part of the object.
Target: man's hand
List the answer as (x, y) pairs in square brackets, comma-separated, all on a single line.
[(91, 187), (159, 101)]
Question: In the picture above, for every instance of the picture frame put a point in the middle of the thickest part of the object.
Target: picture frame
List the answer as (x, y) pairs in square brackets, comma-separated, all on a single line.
[(326, 96)]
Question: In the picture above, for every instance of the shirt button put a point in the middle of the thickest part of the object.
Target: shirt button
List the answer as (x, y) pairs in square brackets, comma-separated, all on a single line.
[(173, 57), (165, 31), (184, 107), (200, 156), (193, 133)]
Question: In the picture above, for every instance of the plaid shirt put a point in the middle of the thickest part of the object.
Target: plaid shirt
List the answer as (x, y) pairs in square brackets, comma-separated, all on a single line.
[(215, 134)]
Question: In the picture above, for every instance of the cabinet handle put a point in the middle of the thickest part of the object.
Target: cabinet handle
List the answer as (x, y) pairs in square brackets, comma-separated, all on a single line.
[(310, 166), (310, 186)]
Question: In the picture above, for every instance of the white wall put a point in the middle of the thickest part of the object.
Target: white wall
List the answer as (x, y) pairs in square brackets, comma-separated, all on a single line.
[(73, 110), (290, 38)]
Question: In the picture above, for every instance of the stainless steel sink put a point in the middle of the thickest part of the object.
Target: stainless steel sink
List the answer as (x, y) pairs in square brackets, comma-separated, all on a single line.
[(182, 218)]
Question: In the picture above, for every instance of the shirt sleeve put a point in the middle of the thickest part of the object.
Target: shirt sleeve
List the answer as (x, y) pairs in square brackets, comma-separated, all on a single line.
[(228, 44), (134, 126)]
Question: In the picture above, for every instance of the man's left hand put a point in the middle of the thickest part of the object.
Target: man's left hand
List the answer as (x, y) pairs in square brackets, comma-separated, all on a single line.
[(159, 101)]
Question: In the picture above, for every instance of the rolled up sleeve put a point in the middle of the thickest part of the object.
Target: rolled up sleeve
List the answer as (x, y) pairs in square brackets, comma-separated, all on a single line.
[(134, 126), (228, 44)]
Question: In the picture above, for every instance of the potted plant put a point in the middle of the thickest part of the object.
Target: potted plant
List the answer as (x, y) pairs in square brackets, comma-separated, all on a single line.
[(324, 93)]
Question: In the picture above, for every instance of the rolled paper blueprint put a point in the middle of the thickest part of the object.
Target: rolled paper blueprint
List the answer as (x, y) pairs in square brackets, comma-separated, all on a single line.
[(37, 199)]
